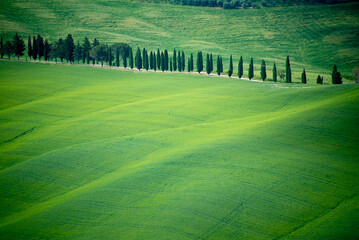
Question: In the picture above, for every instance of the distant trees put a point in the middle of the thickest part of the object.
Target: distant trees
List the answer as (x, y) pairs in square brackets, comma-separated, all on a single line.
[(274, 73), (336, 76), (304, 77), (86, 48), (138, 59), (174, 60), (219, 65), (29, 47), (78, 52), (8, 48), (208, 64), (40, 46), (319, 80), (18, 45), (131, 58), (230, 70), (251, 70), (288, 71), (1, 48), (47, 49), (191, 62), (100, 53), (240, 67), (263, 70), (69, 49), (199, 62)]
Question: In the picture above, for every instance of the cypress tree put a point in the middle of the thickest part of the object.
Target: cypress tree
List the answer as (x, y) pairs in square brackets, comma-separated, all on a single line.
[(211, 62), (109, 56), (174, 60), (171, 64), (151, 60), (47, 49), (125, 59), (29, 48), (304, 77), (2, 48), (221, 64), (40, 46), (230, 70), (117, 57), (154, 61), (240, 67), (336, 76), (131, 58), (69, 46), (208, 64), (8, 49), (158, 58), (183, 61), (179, 62), (162, 62), (77, 52), (251, 70), (61, 49), (189, 64), (199, 62), (147, 65), (18, 46), (94, 44), (144, 58), (86, 47), (288, 71), (192, 67), (274, 73), (218, 65), (319, 80), (166, 59), (34, 48), (138, 59), (263, 70)]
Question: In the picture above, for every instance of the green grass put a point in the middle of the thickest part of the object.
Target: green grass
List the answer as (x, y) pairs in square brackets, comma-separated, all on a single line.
[(315, 37), (91, 153)]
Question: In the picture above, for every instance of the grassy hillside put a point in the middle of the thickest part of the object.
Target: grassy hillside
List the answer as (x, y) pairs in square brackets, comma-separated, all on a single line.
[(315, 37), (95, 153)]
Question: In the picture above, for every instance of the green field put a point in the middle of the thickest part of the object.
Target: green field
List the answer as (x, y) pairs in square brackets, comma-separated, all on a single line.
[(315, 37), (91, 153)]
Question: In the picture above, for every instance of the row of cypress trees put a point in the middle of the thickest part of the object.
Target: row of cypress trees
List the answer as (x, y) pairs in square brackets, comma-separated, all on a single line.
[(66, 49)]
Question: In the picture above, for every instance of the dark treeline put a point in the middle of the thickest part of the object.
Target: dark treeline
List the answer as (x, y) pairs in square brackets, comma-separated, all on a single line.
[(121, 54), (232, 4)]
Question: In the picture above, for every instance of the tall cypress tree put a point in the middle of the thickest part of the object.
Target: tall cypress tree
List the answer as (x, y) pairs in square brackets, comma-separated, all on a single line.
[(40, 46), (336, 76), (158, 58), (154, 61), (288, 71), (34, 48), (304, 77), (86, 47), (151, 60), (131, 58), (69, 46), (144, 58), (179, 62), (192, 67), (319, 80), (109, 56), (263, 70), (230, 70), (138, 59), (29, 47), (61, 49), (274, 73), (146, 61), (183, 61), (199, 62), (174, 60), (162, 62), (124, 57), (208, 64), (94, 44), (166, 59), (251, 70), (18, 46), (171, 64), (211, 62), (240, 67), (219, 65), (2, 48), (47, 49), (117, 57), (189, 64), (8, 48)]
